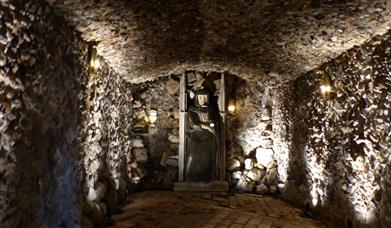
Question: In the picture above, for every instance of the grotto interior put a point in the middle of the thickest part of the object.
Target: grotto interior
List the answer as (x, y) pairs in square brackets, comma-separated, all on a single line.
[(261, 113)]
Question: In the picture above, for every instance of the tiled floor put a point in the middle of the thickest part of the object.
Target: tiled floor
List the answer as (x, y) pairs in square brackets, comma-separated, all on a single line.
[(184, 209)]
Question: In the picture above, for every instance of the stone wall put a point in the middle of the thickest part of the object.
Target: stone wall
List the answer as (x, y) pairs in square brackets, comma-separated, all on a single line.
[(250, 157), (335, 150), (155, 152), (106, 144), (42, 62)]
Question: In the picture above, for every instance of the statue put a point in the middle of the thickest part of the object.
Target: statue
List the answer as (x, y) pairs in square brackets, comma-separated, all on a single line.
[(203, 138)]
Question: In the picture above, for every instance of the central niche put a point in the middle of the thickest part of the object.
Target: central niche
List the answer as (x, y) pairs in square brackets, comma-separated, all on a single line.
[(202, 132), (165, 116)]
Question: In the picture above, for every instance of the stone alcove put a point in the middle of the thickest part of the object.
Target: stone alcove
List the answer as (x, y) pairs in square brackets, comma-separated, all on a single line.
[(249, 163)]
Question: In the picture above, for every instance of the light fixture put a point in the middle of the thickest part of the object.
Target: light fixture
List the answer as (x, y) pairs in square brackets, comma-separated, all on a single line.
[(152, 117), (231, 107), (95, 60), (325, 87)]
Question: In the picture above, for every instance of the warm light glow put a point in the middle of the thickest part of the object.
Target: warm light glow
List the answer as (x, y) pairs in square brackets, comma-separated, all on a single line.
[(325, 89), (95, 62), (231, 107), (152, 117)]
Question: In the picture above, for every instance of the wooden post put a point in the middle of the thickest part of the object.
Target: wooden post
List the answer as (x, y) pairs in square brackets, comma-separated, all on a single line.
[(222, 136), (182, 127)]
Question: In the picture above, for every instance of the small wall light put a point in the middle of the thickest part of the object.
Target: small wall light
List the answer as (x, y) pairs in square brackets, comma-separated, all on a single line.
[(95, 61), (325, 87), (231, 106), (152, 117)]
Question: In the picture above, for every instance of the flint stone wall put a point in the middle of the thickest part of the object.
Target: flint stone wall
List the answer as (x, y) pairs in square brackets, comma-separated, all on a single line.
[(42, 63), (251, 166), (106, 144), (155, 153), (334, 152), (250, 159)]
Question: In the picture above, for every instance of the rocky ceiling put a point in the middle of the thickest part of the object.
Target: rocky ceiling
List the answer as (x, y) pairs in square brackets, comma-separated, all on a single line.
[(264, 40)]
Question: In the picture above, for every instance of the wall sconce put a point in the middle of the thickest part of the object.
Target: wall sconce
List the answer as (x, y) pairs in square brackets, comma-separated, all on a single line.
[(95, 60), (325, 87), (231, 106), (152, 117)]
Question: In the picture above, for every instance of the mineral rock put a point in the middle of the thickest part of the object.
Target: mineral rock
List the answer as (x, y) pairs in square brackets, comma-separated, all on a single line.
[(248, 163), (264, 156)]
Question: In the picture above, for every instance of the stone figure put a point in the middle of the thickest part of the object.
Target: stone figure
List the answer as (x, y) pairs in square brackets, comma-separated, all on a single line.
[(203, 130)]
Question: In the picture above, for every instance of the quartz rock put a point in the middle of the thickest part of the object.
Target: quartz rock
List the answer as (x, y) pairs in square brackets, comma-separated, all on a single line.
[(248, 163), (237, 175), (264, 156)]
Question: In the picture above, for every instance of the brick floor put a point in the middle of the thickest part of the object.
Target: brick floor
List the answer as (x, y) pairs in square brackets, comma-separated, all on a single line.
[(210, 210)]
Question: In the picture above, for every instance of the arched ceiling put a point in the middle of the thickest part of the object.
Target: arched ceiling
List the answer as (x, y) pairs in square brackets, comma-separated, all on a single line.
[(264, 40)]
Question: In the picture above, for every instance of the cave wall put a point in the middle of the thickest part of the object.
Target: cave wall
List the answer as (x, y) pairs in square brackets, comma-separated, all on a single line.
[(155, 148), (106, 144), (334, 151), (42, 65), (251, 165)]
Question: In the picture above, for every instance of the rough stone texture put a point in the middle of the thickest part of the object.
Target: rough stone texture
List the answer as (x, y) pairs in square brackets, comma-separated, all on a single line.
[(159, 168), (106, 142), (339, 145), (42, 62), (249, 152), (261, 40)]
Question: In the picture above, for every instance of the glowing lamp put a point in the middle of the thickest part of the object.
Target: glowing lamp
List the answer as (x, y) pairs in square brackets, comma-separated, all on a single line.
[(325, 87), (95, 61), (152, 117), (231, 107)]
